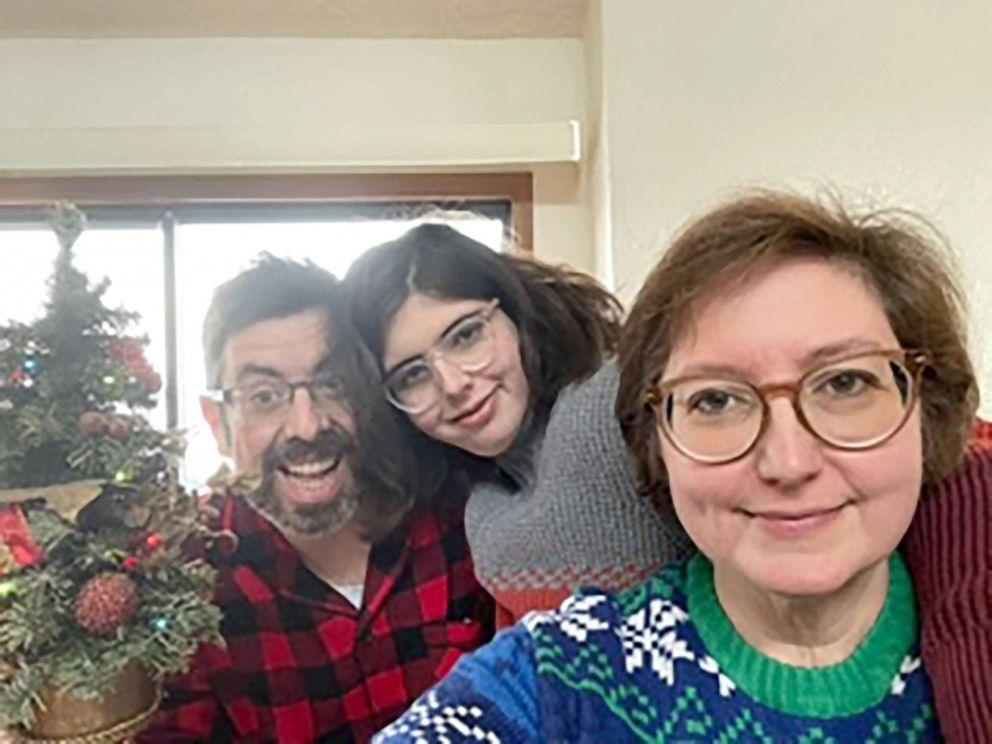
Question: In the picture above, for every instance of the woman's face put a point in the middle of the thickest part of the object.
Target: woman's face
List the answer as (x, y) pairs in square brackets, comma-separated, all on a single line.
[(480, 410), (794, 516)]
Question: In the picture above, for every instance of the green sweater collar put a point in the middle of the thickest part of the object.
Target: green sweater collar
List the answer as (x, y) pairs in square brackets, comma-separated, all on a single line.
[(857, 683)]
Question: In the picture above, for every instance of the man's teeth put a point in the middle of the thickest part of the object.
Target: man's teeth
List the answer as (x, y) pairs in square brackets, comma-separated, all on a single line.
[(312, 469)]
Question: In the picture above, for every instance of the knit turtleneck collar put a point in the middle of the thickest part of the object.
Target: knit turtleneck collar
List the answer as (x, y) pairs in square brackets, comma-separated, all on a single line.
[(518, 462), (864, 678)]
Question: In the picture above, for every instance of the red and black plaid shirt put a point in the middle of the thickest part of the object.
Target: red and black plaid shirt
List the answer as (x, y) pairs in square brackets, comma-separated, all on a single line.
[(302, 664)]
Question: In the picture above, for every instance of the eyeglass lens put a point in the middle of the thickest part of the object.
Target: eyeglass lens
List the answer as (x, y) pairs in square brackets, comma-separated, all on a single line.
[(852, 404), (468, 345), (273, 397)]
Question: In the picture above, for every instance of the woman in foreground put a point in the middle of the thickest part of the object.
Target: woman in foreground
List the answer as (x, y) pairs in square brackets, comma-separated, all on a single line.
[(789, 380)]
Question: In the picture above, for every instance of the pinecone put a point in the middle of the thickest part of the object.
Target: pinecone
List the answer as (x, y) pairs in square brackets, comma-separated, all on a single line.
[(106, 602)]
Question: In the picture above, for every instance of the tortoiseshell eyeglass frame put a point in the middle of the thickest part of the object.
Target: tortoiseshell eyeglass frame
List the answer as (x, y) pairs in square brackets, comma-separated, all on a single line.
[(914, 361)]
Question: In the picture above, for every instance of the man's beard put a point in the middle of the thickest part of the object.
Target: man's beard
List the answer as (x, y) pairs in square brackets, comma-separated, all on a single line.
[(310, 520)]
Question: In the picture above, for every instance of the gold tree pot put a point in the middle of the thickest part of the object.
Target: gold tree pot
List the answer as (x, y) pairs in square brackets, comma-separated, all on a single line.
[(126, 708)]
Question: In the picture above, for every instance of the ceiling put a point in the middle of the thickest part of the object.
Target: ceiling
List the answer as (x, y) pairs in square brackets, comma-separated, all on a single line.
[(465, 19)]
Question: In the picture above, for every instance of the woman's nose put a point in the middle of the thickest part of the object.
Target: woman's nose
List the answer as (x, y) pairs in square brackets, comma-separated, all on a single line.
[(452, 379), (788, 454)]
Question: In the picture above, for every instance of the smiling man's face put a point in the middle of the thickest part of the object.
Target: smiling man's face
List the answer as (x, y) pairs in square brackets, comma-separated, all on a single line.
[(302, 450)]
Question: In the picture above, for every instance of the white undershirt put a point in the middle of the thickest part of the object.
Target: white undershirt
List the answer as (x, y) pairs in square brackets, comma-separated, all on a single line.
[(352, 592)]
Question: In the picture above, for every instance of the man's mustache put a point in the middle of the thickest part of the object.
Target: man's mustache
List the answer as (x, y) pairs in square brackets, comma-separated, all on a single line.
[(332, 443)]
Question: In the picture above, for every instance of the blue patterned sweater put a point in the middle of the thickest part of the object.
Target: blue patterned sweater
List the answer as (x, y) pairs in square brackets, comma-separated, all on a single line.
[(662, 663)]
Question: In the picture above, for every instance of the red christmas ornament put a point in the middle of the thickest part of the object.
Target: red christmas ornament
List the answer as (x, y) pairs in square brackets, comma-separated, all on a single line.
[(130, 563), (117, 429), (123, 351), (152, 381), (154, 541), (91, 423), (16, 540), (136, 363), (106, 602)]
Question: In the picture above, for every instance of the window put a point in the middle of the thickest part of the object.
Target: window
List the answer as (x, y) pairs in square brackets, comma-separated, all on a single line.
[(164, 262)]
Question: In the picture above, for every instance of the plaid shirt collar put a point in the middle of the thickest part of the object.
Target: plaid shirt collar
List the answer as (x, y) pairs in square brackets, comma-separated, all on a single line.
[(263, 547)]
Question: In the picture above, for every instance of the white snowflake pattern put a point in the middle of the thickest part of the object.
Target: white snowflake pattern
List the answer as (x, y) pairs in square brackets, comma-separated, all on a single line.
[(651, 634), (429, 722), (909, 665), (650, 637), (708, 664), (575, 618)]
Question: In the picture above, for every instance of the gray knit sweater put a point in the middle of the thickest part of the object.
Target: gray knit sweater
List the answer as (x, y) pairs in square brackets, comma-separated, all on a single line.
[(574, 518)]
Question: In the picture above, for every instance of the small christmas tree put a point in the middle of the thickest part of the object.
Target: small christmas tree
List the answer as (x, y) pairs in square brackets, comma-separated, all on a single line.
[(103, 590), (73, 386)]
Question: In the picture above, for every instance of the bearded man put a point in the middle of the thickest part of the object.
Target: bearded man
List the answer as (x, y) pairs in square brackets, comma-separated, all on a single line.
[(345, 597)]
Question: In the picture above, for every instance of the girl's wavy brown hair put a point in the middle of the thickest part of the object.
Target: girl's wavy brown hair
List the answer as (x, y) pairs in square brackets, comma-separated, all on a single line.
[(568, 324), (897, 254)]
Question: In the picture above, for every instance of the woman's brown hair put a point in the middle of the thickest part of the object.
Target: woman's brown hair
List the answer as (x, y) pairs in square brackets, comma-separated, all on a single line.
[(900, 256)]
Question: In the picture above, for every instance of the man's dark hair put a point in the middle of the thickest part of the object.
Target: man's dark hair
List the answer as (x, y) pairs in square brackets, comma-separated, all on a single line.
[(272, 288), (276, 288)]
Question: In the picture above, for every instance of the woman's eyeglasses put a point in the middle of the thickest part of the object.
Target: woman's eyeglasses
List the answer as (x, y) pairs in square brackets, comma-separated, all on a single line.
[(853, 403), (469, 345)]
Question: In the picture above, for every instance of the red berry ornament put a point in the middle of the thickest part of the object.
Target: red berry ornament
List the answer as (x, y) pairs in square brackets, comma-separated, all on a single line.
[(152, 382), (106, 602), (91, 423), (117, 429)]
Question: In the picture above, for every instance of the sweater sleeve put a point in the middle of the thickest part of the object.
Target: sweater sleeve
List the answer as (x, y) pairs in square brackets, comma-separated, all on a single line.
[(949, 552), (489, 696)]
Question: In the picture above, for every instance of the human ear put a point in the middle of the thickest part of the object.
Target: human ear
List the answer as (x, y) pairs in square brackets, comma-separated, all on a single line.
[(217, 421)]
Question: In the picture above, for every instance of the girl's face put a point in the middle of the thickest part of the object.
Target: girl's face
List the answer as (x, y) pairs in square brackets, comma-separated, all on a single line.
[(793, 516), (479, 406)]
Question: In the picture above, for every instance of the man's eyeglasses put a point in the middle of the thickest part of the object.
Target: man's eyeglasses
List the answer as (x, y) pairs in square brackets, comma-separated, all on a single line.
[(415, 386), (270, 398), (853, 403)]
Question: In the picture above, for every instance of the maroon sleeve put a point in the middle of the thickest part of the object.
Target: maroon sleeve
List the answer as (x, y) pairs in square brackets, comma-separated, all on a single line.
[(949, 552)]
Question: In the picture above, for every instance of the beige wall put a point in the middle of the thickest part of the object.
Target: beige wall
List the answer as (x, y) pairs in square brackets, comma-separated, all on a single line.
[(561, 228), (309, 103), (596, 191), (207, 82), (886, 101)]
